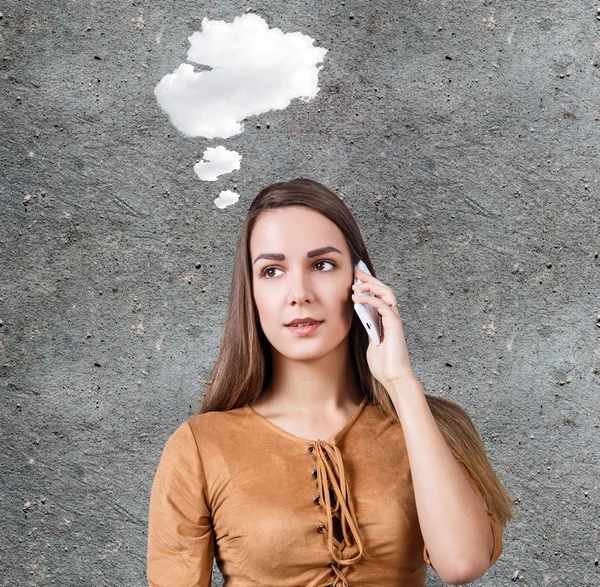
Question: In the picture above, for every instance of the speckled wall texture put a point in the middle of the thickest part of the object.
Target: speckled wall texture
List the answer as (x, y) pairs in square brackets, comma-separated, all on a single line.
[(462, 135)]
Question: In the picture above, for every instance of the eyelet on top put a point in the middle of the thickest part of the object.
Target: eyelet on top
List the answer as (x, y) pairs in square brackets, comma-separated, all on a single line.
[(311, 449)]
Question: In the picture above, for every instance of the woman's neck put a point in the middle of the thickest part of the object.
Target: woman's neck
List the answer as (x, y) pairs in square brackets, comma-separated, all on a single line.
[(328, 384)]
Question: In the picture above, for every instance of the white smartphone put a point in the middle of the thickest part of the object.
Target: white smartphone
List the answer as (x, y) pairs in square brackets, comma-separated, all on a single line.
[(368, 315)]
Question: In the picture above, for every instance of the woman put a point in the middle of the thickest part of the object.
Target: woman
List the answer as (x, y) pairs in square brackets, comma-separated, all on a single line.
[(316, 459)]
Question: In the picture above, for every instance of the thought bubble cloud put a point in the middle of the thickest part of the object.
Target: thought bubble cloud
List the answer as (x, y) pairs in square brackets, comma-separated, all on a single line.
[(255, 69), (217, 161), (226, 198)]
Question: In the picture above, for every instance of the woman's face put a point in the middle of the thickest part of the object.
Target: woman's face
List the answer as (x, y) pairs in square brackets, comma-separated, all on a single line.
[(301, 268)]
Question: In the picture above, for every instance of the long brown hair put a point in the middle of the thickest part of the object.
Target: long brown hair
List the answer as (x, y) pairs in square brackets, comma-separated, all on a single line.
[(243, 367)]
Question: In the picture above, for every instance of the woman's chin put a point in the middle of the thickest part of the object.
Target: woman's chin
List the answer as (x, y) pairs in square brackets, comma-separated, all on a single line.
[(307, 350)]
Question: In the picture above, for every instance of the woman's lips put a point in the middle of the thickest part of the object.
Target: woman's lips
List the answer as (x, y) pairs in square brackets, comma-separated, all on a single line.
[(304, 330)]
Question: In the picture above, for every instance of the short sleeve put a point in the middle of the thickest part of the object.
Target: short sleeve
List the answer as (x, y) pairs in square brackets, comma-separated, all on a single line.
[(180, 533), (496, 528)]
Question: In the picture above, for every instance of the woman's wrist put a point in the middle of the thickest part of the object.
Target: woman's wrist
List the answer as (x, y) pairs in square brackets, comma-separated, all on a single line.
[(407, 395), (404, 385)]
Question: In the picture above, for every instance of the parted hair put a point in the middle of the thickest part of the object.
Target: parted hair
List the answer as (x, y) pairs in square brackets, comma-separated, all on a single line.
[(242, 369)]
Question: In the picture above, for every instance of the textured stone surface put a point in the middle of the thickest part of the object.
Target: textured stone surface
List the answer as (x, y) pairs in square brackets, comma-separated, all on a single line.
[(464, 137)]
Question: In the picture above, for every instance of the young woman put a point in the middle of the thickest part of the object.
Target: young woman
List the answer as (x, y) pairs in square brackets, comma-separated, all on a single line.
[(316, 459)]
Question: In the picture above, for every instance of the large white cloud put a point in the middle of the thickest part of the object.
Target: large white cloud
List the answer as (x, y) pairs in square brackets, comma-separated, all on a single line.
[(254, 69)]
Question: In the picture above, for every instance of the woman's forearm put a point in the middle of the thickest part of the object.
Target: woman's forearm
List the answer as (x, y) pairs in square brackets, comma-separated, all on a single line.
[(454, 523)]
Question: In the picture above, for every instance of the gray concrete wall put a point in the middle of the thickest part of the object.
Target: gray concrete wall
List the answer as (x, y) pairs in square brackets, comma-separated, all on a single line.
[(464, 137)]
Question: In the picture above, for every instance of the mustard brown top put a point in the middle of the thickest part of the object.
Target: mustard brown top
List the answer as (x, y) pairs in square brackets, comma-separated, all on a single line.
[(277, 509)]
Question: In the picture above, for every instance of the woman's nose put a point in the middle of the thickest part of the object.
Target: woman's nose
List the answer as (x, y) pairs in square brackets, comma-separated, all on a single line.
[(300, 292)]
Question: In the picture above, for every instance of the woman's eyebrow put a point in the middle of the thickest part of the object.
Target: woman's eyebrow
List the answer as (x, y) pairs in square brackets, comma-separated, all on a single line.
[(310, 254)]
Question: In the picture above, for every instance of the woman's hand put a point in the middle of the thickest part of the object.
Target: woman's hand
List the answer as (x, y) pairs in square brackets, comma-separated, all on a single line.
[(389, 361)]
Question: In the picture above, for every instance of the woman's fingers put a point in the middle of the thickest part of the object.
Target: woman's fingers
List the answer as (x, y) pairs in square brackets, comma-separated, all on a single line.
[(377, 288), (373, 301), (383, 308)]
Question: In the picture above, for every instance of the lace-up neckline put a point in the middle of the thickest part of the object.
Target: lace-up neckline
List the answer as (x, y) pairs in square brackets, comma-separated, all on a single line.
[(335, 497), (341, 526)]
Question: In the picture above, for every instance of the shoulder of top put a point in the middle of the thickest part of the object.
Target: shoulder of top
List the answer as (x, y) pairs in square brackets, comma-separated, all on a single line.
[(209, 419)]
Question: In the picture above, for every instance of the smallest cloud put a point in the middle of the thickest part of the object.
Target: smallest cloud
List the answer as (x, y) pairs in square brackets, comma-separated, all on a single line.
[(226, 198), (217, 161)]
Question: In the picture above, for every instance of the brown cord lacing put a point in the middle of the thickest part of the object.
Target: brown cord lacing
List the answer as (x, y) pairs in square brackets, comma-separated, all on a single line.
[(340, 577), (330, 473)]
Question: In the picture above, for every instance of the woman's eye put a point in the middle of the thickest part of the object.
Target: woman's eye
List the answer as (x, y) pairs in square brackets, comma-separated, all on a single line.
[(266, 270), (326, 262)]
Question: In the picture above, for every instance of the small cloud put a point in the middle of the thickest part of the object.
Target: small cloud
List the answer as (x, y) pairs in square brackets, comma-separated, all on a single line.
[(254, 69), (226, 198), (217, 161)]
